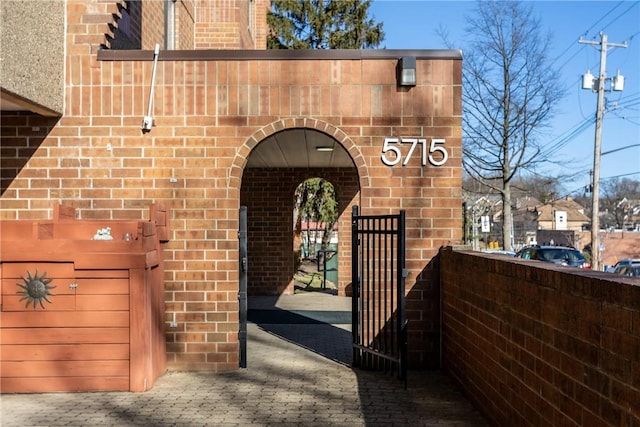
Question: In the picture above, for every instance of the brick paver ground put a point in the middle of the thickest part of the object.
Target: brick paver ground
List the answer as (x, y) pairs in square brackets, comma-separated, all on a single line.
[(298, 375)]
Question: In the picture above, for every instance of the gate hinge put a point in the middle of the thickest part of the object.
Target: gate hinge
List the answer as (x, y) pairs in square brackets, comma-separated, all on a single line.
[(405, 272)]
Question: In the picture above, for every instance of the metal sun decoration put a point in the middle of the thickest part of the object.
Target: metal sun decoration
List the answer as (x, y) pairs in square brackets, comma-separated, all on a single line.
[(36, 289)]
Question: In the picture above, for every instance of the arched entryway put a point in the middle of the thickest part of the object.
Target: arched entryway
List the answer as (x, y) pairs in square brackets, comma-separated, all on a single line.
[(273, 168)]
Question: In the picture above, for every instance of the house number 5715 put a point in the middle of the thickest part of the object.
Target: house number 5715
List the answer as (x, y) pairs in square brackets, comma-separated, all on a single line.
[(437, 153)]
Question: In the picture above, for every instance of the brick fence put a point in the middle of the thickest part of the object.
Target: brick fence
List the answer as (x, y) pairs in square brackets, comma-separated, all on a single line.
[(536, 344)]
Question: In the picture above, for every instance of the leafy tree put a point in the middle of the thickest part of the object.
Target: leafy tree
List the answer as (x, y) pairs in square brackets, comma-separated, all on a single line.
[(322, 24), (509, 91), (315, 201)]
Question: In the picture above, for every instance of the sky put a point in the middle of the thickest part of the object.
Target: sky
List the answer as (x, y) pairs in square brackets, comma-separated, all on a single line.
[(570, 138)]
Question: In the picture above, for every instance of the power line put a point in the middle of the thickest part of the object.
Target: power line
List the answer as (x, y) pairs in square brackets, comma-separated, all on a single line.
[(633, 4)]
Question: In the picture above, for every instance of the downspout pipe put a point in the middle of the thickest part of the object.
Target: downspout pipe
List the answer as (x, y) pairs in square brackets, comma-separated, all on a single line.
[(169, 24)]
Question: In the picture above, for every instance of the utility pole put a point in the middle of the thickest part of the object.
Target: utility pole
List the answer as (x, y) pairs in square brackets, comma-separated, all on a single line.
[(599, 83)]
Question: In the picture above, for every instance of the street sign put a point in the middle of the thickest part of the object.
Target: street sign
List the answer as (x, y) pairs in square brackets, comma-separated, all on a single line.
[(485, 225)]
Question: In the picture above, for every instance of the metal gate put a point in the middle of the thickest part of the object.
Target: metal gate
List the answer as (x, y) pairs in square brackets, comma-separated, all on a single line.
[(242, 292), (379, 326)]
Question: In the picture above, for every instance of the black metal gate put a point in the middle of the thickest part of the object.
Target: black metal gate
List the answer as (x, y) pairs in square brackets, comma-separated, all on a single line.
[(379, 326), (242, 292)]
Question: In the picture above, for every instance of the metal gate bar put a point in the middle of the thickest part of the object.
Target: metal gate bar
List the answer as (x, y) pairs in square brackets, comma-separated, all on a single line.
[(378, 297), (242, 293)]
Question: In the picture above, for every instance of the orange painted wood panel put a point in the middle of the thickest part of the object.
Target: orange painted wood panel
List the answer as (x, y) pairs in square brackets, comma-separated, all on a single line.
[(18, 229), (62, 212), (65, 368), (86, 230), (141, 370), (59, 303), (50, 384), (103, 273), (87, 254), (81, 319), (21, 269), (103, 303), (62, 286), (64, 346), (63, 335), (65, 352), (102, 286)]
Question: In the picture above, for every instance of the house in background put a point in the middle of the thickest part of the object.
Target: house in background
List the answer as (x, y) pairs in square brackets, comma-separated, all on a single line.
[(565, 217), (557, 222), (563, 214)]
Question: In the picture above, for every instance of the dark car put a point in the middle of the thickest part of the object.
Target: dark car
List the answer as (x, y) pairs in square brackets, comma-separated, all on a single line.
[(561, 255)]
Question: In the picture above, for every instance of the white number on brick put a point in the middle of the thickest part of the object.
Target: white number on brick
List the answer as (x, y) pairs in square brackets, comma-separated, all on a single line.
[(436, 147)]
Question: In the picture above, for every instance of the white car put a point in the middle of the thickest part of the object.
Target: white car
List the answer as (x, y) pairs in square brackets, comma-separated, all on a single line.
[(627, 267)]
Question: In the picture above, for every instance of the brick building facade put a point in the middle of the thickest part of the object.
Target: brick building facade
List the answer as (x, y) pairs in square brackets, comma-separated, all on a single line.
[(217, 98)]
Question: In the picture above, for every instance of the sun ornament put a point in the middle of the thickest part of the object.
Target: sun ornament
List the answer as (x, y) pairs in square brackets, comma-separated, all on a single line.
[(36, 289)]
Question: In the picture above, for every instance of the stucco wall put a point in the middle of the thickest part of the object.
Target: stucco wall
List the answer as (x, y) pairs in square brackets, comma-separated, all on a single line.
[(32, 52)]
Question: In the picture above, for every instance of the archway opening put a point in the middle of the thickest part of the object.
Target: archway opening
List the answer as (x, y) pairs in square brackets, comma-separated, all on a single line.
[(275, 168), (278, 168)]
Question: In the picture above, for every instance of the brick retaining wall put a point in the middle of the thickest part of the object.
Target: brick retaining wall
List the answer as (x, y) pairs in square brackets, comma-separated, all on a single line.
[(536, 344)]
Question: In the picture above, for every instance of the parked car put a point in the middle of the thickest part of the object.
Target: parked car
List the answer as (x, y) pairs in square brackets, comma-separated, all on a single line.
[(499, 252), (561, 255), (632, 270), (628, 267)]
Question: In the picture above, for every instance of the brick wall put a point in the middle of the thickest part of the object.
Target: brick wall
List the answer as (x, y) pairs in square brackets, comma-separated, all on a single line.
[(184, 29), (226, 24), (210, 112), (534, 344), (153, 27), (22, 134)]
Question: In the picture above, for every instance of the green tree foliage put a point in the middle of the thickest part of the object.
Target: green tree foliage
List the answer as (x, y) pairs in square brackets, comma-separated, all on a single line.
[(322, 24), (316, 202)]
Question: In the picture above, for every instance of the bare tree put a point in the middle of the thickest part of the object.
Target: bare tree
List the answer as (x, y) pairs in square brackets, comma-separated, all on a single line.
[(619, 197), (509, 92)]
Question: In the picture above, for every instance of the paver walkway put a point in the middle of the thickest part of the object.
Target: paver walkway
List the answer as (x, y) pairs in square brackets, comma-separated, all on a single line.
[(297, 375)]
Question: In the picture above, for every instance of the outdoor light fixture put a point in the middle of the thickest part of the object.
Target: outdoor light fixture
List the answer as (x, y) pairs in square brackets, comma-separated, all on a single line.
[(407, 71), (324, 149), (147, 121)]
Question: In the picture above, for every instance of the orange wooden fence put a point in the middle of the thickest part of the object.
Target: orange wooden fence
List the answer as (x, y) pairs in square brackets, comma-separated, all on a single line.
[(101, 326)]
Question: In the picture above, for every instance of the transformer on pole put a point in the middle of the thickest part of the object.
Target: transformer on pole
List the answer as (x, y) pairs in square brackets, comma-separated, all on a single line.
[(598, 85)]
